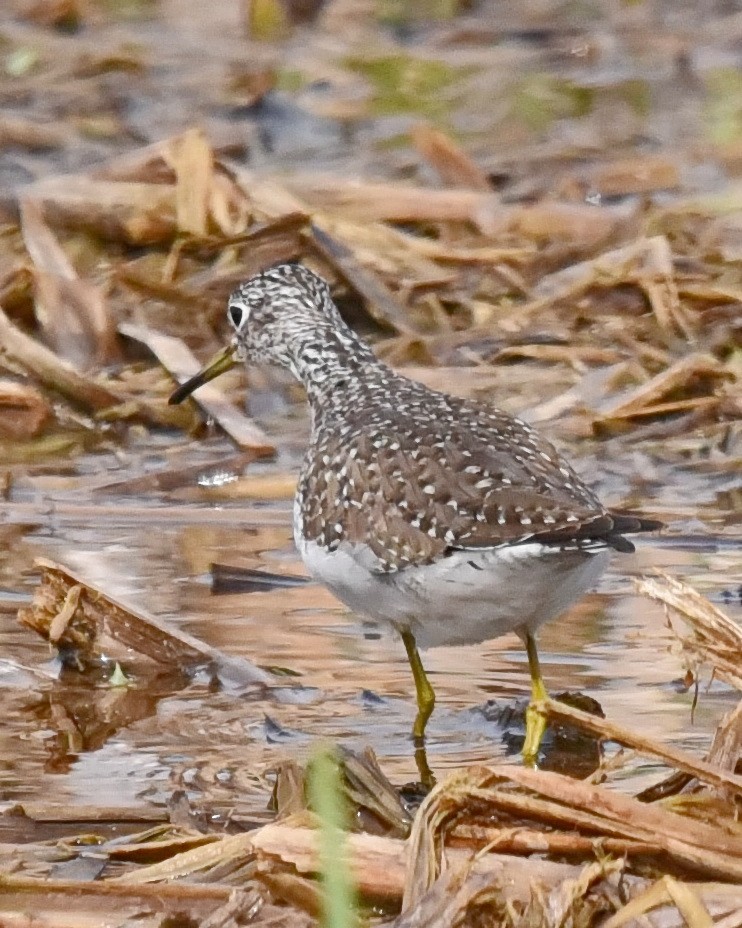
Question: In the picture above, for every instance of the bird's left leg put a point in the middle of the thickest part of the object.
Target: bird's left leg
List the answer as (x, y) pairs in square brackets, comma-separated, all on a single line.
[(425, 705)]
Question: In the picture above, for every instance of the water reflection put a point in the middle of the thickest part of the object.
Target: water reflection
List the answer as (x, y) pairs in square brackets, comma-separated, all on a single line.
[(85, 712), (613, 646)]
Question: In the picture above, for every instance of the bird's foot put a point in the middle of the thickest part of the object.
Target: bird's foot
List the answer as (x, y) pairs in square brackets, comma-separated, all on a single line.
[(427, 778), (535, 730)]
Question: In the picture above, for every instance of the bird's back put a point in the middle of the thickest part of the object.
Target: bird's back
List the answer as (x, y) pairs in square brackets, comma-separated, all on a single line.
[(414, 474)]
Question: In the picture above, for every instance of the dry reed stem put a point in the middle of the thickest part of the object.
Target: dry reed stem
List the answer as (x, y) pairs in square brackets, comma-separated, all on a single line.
[(449, 160), (576, 223), (650, 397), (689, 901), (570, 803), (74, 903), (382, 303), (378, 863), (715, 639), (524, 840), (726, 748), (74, 313), (46, 367), (136, 213), (51, 511)]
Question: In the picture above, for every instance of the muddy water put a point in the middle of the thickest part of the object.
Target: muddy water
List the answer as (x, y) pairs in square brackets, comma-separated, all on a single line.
[(85, 742)]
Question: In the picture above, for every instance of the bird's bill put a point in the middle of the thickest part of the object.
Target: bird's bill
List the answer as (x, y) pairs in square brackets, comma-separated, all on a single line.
[(219, 364)]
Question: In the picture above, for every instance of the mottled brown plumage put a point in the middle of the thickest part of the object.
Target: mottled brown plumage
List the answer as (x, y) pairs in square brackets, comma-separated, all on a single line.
[(445, 518), (445, 474)]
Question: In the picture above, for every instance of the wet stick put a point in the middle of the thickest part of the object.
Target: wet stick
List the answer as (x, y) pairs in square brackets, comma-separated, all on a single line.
[(603, 728), (72, 613)]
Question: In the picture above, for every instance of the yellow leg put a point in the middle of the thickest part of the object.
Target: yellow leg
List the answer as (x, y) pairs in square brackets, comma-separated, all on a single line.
[(535, 720), (425, 704)]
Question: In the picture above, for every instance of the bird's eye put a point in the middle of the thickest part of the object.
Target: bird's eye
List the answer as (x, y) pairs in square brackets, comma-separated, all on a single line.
[(236, 314)]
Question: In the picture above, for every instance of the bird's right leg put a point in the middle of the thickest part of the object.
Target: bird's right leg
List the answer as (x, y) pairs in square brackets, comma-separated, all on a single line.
[(535, 719)]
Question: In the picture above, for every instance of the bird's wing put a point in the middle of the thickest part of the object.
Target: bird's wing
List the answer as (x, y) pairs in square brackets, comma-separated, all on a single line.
[(411, 495)]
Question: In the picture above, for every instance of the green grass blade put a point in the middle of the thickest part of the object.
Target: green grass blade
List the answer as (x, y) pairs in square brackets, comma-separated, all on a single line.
[(327, 799)]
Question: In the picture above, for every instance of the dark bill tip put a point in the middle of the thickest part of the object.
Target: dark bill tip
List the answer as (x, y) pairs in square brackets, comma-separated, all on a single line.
[(219, 364)]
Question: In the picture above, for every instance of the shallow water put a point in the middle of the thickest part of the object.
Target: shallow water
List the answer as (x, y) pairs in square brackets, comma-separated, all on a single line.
[(85, 742)]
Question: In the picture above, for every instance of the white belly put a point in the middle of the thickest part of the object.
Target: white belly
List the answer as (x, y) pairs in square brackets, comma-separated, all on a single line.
[(466, 598)]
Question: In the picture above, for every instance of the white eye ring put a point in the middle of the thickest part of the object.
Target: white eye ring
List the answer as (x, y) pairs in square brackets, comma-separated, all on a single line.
[(236, 314)]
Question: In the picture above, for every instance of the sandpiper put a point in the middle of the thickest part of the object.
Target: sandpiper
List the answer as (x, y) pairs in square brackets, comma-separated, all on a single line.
[(447, 519)]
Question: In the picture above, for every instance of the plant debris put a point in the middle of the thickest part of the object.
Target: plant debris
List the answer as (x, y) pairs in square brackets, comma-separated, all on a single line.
[(515, 843), (73, 615)]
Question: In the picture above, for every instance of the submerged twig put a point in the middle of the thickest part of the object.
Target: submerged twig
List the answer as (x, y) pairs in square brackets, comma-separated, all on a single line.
[(604, 728)]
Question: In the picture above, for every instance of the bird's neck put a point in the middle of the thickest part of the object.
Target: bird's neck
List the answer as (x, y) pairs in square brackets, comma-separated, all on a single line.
[(332, 364)]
